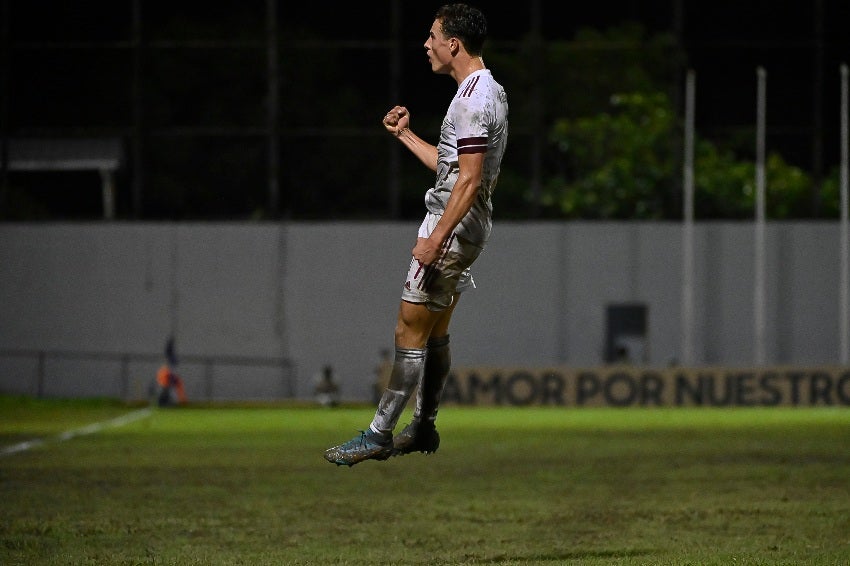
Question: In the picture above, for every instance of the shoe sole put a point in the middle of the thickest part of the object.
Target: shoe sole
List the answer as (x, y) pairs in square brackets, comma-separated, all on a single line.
[(434, 445), (380, 456)]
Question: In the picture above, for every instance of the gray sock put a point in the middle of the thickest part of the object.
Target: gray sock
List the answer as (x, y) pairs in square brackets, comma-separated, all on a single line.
[(437, 364), (408, 367)]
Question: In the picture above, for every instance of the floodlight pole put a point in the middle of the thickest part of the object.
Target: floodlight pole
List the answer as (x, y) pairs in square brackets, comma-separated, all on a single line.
[(395, 75), (758, 280), (688, 224), (138, 117), (273, 110), (844, 293)]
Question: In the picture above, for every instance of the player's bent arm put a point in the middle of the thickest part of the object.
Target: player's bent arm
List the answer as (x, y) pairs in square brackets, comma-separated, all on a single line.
[(464, 193), (423, 150)]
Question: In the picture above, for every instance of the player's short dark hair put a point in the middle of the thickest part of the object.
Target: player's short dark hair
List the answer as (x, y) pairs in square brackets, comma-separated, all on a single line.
[(466, 23)]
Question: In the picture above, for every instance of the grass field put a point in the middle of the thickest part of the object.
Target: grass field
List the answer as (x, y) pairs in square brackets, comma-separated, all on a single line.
[(249, 485)]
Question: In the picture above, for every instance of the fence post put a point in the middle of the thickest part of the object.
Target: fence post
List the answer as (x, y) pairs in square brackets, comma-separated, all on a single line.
[(208, 378), (125, 377), (39, 388)]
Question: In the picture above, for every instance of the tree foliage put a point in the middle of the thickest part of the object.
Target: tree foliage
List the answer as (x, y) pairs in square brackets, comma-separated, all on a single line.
[(620, 164), (615, 163)]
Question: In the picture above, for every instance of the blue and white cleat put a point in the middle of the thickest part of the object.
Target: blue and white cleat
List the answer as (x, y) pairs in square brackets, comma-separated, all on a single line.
[(367, 445)]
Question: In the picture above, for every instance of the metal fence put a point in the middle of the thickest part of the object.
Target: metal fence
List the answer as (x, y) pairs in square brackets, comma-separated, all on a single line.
[(132, 376)]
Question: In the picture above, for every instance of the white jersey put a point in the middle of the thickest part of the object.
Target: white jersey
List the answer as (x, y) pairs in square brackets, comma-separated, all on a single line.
[(476, 122)]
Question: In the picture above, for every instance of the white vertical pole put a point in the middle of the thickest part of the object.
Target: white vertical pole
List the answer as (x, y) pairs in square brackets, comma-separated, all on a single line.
[(758, 282), (844, 293), (688, 225)]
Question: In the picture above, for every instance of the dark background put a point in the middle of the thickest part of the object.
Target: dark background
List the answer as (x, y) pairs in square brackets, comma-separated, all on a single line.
[(185, 86)]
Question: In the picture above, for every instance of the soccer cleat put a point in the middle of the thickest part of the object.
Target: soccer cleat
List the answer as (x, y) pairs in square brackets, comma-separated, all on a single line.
[(416, 437), (367, 445)]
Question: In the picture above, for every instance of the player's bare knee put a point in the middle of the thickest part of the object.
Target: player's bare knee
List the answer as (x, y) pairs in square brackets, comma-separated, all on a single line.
[(413, 326)]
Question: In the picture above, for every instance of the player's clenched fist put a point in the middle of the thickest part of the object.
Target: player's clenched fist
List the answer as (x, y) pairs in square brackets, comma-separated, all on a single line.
[(396, 120)]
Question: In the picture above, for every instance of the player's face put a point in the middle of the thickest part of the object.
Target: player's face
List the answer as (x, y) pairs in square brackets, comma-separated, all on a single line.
[(439, 49)]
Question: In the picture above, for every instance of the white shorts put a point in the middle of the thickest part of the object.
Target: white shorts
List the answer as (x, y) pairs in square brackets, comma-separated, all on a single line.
[(436, 284)]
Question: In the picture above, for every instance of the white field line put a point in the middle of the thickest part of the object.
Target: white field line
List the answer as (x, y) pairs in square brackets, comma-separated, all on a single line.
[(69, 434)]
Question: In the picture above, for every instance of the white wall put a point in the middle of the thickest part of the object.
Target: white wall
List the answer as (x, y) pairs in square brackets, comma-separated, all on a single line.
[(327, 293)]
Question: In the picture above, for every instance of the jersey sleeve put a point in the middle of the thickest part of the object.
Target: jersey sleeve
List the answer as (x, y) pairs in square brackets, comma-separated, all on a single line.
[(470, 121)]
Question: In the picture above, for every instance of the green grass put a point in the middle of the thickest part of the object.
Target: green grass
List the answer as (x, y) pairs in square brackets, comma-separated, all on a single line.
[(249, 485)]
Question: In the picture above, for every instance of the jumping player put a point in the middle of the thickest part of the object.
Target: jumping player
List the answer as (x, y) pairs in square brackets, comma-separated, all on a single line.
[(453, 233)]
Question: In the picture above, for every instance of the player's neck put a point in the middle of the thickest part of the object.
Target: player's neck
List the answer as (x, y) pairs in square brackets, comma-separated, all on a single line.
[(472, 65)]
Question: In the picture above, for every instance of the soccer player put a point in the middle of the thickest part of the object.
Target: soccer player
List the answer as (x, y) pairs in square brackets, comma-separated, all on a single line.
[(453, 233)]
